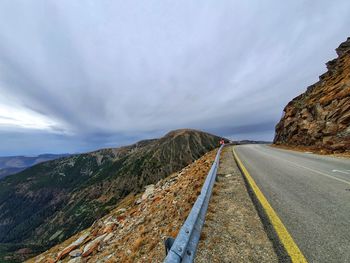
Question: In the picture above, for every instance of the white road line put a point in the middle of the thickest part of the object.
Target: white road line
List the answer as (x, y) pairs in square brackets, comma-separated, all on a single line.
[(310, 169), (339, 171)]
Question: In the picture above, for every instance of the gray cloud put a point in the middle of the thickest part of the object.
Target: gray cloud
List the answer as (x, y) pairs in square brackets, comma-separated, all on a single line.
[(109, 72)]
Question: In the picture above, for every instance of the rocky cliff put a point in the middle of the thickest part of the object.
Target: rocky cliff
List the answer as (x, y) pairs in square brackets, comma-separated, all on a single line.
[(52, 201), (320, 117)]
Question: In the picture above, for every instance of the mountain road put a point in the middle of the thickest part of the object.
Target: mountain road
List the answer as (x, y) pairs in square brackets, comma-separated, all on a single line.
[(311, 195)]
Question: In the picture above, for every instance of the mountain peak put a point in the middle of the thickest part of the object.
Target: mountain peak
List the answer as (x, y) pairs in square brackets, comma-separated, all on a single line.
[(178, 132)]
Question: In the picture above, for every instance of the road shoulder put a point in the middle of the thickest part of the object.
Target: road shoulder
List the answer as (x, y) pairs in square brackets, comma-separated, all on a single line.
[(233, 231)]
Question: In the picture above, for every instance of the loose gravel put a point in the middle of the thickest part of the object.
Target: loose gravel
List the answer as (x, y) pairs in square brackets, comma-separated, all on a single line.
[(233, 231)]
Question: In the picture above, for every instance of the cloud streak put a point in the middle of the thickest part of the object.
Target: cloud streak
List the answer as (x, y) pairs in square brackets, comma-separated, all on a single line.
[(99, 73)]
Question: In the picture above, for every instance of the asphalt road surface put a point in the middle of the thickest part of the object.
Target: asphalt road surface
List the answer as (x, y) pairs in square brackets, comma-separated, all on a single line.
[(311, 195)]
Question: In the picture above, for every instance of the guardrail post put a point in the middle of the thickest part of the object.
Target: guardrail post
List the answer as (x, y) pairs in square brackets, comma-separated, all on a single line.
[(168, 244)]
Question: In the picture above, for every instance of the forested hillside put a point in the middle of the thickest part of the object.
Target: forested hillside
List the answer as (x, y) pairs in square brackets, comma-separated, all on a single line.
[(49, 202)]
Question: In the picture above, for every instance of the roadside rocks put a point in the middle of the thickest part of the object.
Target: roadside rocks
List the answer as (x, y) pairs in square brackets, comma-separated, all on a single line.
[(109, 227), (72, 246), (149, 191), (320, 117), (75, 253), (108, 237), (75, 260), (90, 247)]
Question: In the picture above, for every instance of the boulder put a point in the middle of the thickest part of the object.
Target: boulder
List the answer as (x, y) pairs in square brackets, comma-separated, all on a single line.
[(148, 192), (109, 227), (92, 245), (72, 246), (75, 253)]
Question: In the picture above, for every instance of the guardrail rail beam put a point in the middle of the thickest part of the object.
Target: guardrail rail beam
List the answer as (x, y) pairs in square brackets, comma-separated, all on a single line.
[(183, 249)]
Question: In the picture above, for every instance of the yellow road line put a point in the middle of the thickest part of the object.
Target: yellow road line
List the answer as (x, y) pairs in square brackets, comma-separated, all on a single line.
[(286, 239)]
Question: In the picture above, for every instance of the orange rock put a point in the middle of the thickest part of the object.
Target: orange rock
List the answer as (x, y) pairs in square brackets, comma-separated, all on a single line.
[(156, 199), (72, 246), (109, 228), (92, 246), (120, 218), (95, 232)]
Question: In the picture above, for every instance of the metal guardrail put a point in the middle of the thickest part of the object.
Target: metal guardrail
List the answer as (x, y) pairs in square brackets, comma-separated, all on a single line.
[(183, 248)]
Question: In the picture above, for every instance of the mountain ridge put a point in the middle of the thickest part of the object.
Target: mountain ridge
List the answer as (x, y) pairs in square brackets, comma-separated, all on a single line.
[(136, 229), (17, 163), (51, 201)]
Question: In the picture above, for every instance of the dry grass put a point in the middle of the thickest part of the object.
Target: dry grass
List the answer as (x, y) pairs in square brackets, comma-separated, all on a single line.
[(138, 244), (153, 245), (209, 216), (211, 209), (203, 236)]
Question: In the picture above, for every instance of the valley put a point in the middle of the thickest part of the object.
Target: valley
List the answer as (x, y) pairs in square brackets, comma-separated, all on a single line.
[(51, 201)]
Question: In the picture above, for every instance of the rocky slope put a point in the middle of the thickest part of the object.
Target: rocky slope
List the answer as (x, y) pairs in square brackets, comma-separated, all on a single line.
[(320, 117), (136, 229), (52, 201)]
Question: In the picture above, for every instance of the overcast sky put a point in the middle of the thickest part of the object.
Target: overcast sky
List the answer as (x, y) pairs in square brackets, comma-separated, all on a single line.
[(81, 75)]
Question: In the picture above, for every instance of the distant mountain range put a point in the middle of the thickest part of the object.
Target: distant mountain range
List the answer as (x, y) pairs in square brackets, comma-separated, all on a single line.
[(51, 201), (14, 164)]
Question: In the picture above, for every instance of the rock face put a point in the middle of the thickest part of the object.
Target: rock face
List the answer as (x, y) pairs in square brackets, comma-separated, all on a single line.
[(320, 117), (49, 202)]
